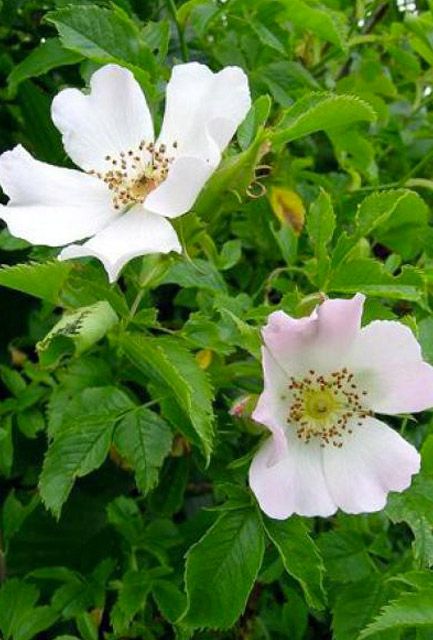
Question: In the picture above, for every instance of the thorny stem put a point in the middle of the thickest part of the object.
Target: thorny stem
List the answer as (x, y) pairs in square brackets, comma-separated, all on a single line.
[(172, 9)]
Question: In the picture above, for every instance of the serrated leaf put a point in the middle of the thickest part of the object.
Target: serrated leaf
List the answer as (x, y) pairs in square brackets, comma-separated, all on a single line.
[(195, 273), (103, 35), (380, 209), (83, 328), (20, 618), (169, 599), (370, 277), (356, 605), (320, 227), (170, 365), (132, 597), (410, 610), (87, 285), (42, 280), (415, 507), (321, 20), (144, 439), (320, 112), (81, 443), (300, 556), (48, 55), (221, 569)]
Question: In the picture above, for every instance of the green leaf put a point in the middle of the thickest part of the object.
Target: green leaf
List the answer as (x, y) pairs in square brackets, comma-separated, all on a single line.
[(328, 25), (384, 208), (42, 280), (195, 273), (267, 38), (81, 443), (103, 35), (415, 507), (132, 598), (321, 111), (320, 228), (354, 152), (169, 599), (300, 556), (356, 605), (6, 445), (410, 610), (87, 285), (83, 328), (47, 56), (221, 569), (171, 366), (144, 440), (20, 618), (38, 127), (255, 118), (370, 277), (345, 556), (14, 514), (234, 175)]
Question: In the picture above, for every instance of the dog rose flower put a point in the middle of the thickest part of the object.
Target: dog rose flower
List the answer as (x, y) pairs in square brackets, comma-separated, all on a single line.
[(324, 379), (130, 184)]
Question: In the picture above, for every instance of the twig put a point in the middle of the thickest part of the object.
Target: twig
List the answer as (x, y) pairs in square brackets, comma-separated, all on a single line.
[(368, 28), (172, 9)]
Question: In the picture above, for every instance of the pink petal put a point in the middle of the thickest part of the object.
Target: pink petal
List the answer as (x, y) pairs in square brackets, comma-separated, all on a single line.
[(273, 404), (387, 358), (373, 461), (319, 342), (295, 484)]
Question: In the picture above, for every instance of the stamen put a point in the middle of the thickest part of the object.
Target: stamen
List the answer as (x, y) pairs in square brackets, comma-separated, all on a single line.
[(322, 407), (142, 171)]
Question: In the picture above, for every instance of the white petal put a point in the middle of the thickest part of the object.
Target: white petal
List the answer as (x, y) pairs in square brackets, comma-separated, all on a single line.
[(273, 404), (295, 484), (204, 109), (178, 192), (113, 117), (373, 461), (387, 360), (51, 205), (135, 233), (320, 341)]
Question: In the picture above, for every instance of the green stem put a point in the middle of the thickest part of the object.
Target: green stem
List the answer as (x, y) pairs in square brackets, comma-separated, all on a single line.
[(427, 158), (136, 304), (2, 561), (173, 10)]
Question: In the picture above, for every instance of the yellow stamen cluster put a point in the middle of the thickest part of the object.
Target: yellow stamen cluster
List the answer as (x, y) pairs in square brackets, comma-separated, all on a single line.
[(324, 406), (134, 173)]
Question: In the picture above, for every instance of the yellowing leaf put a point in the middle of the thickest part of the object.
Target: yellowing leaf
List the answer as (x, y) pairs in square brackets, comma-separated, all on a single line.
[(288, 207), (204, 358)]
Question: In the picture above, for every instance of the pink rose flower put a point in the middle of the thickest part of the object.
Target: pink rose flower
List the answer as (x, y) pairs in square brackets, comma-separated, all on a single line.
[(324, 378)]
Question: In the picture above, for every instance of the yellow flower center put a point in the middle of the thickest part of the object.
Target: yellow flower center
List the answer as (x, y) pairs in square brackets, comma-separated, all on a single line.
[(325, 407), (134, 173), (319, 405)]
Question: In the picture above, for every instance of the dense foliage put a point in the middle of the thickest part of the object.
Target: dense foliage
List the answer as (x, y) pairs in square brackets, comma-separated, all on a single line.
[(125, 511)]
